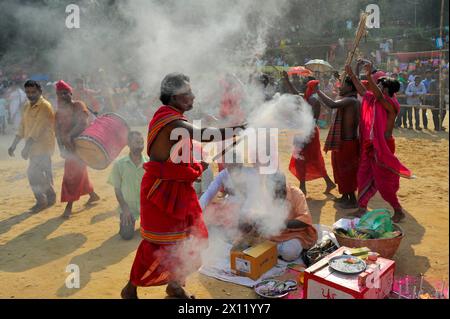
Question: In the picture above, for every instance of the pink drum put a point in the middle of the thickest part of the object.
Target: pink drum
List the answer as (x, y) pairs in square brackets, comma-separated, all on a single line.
[(102, 141)]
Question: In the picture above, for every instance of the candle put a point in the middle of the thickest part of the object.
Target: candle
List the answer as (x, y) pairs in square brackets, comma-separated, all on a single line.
[(414, 296), (399, 290)]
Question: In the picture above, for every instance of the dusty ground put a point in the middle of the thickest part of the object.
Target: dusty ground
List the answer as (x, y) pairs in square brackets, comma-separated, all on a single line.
[(36, 249)]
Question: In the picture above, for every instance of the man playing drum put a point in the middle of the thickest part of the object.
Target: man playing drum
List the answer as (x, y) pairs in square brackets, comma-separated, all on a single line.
[(71, 121)]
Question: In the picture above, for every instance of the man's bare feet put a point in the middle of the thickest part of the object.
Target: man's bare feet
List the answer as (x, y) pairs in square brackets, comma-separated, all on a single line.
[(399, 215), (93, 197), (129, 291), (359, 213), (67, 211), (175, 290)]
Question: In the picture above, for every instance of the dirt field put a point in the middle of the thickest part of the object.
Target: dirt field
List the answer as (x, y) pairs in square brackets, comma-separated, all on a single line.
[(35, 249)]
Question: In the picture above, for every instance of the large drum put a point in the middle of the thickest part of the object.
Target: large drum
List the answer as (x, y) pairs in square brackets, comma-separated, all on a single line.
[(102, 141)]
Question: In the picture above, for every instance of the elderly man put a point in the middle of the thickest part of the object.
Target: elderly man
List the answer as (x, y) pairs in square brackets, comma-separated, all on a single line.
[(172, 225), (37, 127), (71, 121)]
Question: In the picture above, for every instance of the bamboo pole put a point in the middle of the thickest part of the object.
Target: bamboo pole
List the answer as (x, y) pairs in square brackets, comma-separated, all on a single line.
[(360, 32)]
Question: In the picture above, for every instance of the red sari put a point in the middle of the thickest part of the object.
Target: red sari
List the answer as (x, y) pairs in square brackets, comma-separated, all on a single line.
[(379, 169), (76, 180), (172, 225), (307, 164)]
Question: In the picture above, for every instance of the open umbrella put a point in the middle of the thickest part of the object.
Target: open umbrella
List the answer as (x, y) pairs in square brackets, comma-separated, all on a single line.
[(319, 66), (300, 71)]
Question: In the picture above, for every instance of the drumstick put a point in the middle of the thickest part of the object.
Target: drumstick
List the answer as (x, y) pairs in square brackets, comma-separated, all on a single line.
[(226, 149)]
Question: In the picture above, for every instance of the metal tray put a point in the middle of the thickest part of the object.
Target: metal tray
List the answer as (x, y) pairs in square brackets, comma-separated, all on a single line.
[(338, 264)]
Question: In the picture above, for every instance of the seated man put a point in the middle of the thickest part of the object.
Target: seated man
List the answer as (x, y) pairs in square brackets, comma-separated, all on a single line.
[(299, 233), (126, 177)]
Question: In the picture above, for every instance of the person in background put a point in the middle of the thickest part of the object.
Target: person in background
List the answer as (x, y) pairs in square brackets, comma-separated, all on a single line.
[(126, 177), (17, 99), (414, 92), (401, 97), (37, 128), (3, 112)]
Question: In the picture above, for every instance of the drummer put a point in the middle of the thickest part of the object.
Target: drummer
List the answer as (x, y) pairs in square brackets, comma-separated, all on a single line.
[(71, 121)]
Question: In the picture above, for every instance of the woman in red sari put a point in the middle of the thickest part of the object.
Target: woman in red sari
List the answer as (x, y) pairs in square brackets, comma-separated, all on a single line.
[(379, 168)]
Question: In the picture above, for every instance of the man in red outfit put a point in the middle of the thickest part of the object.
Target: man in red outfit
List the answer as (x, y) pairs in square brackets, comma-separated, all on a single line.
[(342, 141), (172, 226), (71, 121)]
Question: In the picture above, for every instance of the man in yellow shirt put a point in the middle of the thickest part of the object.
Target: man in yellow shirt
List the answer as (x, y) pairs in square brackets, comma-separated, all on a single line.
[(37, 128)]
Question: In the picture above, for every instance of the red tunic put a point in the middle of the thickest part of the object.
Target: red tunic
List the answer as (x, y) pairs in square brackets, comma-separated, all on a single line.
[(172, 225)]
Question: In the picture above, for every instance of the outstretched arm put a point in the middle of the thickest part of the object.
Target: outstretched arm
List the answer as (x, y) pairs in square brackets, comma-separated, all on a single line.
[(212, 133), (289, 85), (330, 103)]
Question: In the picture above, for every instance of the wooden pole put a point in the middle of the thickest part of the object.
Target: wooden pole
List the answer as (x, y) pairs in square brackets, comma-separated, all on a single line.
[(441, 55), (360, 32)]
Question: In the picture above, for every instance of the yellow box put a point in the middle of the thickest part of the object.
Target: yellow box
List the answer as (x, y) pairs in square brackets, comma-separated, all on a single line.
[(254, 261)]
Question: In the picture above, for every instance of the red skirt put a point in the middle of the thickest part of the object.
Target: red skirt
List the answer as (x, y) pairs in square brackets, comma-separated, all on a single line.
[(345, 164), (309, 164), (75, 181)]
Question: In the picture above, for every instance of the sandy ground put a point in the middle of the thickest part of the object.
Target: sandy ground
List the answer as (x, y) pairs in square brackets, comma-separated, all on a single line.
[(36, 249)]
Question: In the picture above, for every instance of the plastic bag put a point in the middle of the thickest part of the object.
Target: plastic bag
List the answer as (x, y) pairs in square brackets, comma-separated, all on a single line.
[(375, 223)]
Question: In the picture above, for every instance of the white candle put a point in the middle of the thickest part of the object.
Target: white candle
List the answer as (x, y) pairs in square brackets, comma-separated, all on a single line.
[(414, 296), (399, 290)]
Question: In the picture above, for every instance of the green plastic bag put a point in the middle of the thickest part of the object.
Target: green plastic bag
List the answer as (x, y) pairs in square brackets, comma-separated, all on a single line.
[(375, 223)]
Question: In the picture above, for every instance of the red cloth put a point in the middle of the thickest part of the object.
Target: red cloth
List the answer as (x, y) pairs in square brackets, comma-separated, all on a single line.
[(345, 162), (379, 169), (170, 214), (366, 84), (308, 164), (75, 181), (163, 116), (310, 87), (61, 85), (230, 104)]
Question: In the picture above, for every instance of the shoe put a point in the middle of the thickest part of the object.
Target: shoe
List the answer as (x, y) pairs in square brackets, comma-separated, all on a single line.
[(418, 129)]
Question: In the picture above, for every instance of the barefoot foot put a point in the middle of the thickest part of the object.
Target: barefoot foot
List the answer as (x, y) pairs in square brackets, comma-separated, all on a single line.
[(398, 216), (129, 292), (175, 290), (92, 199)]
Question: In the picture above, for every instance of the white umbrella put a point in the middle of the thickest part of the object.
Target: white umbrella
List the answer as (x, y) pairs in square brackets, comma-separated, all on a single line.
[(319, 66)]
